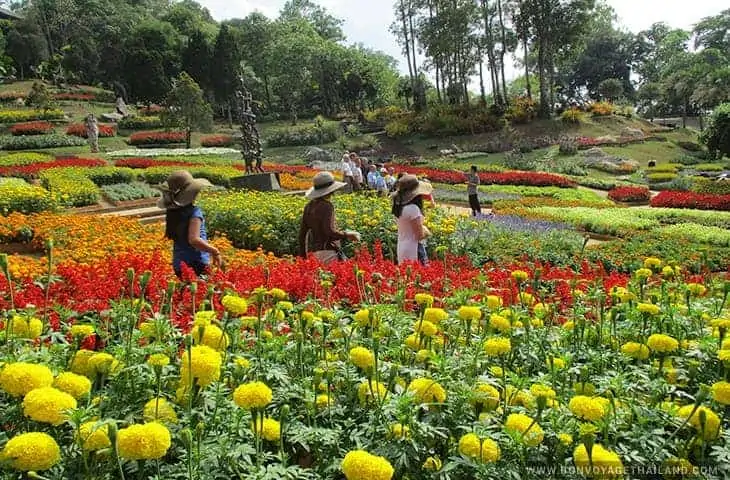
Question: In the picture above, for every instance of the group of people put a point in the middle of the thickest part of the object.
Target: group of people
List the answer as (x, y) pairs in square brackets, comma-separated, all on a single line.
[(361, 174), (318, 233)]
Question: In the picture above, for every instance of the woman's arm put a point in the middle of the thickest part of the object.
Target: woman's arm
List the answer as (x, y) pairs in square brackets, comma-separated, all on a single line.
[(198, 243), (418, 227)]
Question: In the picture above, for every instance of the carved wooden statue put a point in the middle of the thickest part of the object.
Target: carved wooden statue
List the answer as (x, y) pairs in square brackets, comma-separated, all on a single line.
[(250, 139)]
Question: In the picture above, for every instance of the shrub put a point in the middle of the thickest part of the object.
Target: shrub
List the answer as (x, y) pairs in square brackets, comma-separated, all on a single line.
[(151, 110), (685, 159), (77, 97), (18, 196), (107, 175), (16, 116), (709, 167), (70, 187), (79, 130), (216, 175), (666, 168), (690, 146), (681, 183), (397, 128), (701, 201), (661, 177), (121, 192), (521, 110), (156, 138), (365, 142), (629, 194), (39, 96), (19, 159), (303, 135), (572, 116), (384, 115), (626, 111), (717, 134), (31, 128), (568, 146), (706, 185), (445, 120), (602, 109), (140, 123), (34, 142), (217, 141)]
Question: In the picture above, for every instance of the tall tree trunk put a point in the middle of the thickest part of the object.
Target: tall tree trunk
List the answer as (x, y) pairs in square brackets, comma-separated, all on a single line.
[(408, 48), (436, 59), (527, 67), (188, 135), (496, 96), (481, 81), (544, 88), (503, 50), (267, 92), (230, 115)]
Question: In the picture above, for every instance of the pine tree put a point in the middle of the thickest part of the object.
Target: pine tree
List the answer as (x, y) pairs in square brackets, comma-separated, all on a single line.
[(197, 58), (225, 67)]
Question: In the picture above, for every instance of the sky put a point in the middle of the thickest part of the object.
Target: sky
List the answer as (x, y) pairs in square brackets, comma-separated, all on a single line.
[(368, 21)]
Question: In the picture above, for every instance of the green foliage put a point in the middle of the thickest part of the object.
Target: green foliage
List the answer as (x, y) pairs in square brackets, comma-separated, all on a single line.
[(216, 175), (151, 59), (706, 185), (358, 144), (522, 110), (717, 134), (70, 187), (572, 116), (443, 121), (18, 196), (39, 96), (661, 177), (317, 134), (611, 89), (32, 142), (106, 175), (140, 123), (120, 192), (709, 167), (17, 116), (397, 129), (186, 107)]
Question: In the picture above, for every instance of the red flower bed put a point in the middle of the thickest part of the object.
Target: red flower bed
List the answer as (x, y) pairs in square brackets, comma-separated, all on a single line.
[(535, 179), (7, 97), (701, 201), (156, 138), (80, 97), (629, 194), (79, 130), (31, 171), (217, 141), (151, 162), (31, 128)]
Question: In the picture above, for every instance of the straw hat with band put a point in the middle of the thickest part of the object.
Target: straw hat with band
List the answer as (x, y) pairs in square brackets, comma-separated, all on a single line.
[(323, 184), (409, 188), (181, 189)]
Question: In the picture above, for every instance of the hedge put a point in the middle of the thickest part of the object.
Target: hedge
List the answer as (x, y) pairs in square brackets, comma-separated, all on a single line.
[(157, 138), (34, 142), (140, 123), (16, 116), (18, 196), (39, 127)]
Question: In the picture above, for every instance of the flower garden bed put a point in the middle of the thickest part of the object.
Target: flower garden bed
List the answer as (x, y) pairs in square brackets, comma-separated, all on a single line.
[(630, 195), (17, 116), (536, 179), (79, 130), (701, 201), (155, 139), (33, 142), (217, 141), (31, 128)]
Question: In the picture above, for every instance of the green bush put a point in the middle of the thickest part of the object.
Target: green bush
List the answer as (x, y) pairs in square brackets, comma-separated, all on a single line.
[(216, 175), (666, 168), (661, 177), (686, 159), (572, 116), (397, 128), (358, 144), (18, 196), (25, 158), (298, 136), (121, 192), (140, 123), (17, 116), (70, 187), (706, 185), (33, 142), (522, 110), (108, 175), (717, 134), (709, 167), (385, 115)]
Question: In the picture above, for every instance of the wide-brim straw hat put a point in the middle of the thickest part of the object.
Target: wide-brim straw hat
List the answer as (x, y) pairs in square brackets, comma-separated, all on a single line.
[(323, 184), (408, 188), (180, 190)]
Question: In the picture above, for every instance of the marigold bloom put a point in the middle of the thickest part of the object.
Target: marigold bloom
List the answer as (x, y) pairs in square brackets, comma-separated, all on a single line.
[(425, 328), (159, 409), (424, 299), (323, 401), (23, 326), (668, 272), (205, 365), (499, 323), (370, 391), (242, 362), (485, 450), (565, 439), (234, 305), (652, 262), (432, 464), (467, 313), (398, 430), (48, 405), (17, 379), (497, 346), (435, 315), (635, 350), (588, 408), (696, 289), (93, 436), (721, 392), (520, 275), (557, 363), (711, 428), (427, 391), (605, 463), (362, 318), (494, 302), (102, 363), (531, 432), (362, 357), (77, 386), (254, 395), (540, 390), (148, 441), (204, 318), (643, 273), (661, 343), (278, 294), (361, 465), (158, 360), (34, 451), (210, 335), (648, 308), (80, 363), (81, 330), (268, 428)]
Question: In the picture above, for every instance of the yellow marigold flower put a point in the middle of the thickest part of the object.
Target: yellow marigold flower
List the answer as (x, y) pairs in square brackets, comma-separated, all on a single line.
[(587, 408), (425, 328), (424, 299), (531, 432), (721, 392), (679, 468), (361, 465), (496, 371), (284, 305), (413, 342), (102, 363), (268, 429), (494, 302), (486, 397), (148, 330), (696, 289), (537, 323), (499, 323), (432, 464), (81, 330), (148, 441), (362, 357), (398, 430), (92, 436), (557, 363), (526, 298), (267, 334), (662, 343), (540, 310), (204, 317), (435, 315), (211, 336), (278, 294), (521, 397), (712, 424), (77, 386), (584, 388), (326, 315), (635, 350), (470, 313), (570, 325), (362, 318), (48, 405), (423, 355), (17, 379), (24, 327), (427, 391), (371, 391), (540, 390), (668, 272), (34, 451), (205, 365), (643, 273), (602, 464), (254, 395), (497, 346), (649, 308), (242, 362), (234, 305), (520, 275), (652, 262), (565, 439), (158, 360), (80, 363), (323, 401), (159, 409), (484, 450)]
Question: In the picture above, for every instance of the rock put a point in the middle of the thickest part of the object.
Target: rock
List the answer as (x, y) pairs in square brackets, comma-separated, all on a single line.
[(329, 166), (632, 132), (111, 117), (468, 155), (122, 107), (446, 152), (316, 154), (455, 148), (593, 152)]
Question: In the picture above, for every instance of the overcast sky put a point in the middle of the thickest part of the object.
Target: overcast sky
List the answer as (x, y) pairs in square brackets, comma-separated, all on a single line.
[(367, 21)]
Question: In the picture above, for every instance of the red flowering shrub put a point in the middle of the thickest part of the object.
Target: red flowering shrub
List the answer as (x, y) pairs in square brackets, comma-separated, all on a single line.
[(217, 141), (156, 138), (535, 179), (629, 194), (151, 162), (79, 130), (701, 201), (31, 171), (31, 128), (79, 97)]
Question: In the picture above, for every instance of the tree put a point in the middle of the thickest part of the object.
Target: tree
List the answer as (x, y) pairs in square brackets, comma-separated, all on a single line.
[(25, 46), (186, 107), (152, 56), (258, 33), (224, 69), (39, 96), (326, 26), (717, 135), (611, 89), (196, 59)]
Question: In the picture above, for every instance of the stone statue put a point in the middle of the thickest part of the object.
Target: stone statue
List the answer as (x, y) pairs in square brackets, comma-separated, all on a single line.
[(92, 132), (250, 139), (122, 107)]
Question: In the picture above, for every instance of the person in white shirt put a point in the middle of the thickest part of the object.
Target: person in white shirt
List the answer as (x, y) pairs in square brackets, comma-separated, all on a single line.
[(408, 209), (346, 169), (356, 171)]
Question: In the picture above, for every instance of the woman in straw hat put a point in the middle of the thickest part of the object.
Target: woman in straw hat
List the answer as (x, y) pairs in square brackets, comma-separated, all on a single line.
[(318, 234), (408, 209), (185, 223)]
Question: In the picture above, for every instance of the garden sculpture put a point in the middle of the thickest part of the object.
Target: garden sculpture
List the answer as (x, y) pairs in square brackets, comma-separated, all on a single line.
[(250, 139), (92, 132)]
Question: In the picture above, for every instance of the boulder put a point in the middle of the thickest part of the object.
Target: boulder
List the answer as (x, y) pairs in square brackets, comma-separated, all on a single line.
[(316, 154), (110, 117), (632, 132), (594, 152)]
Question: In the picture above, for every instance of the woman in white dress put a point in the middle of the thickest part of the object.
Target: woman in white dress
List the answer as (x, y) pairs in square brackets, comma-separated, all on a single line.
[(408, 210)]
